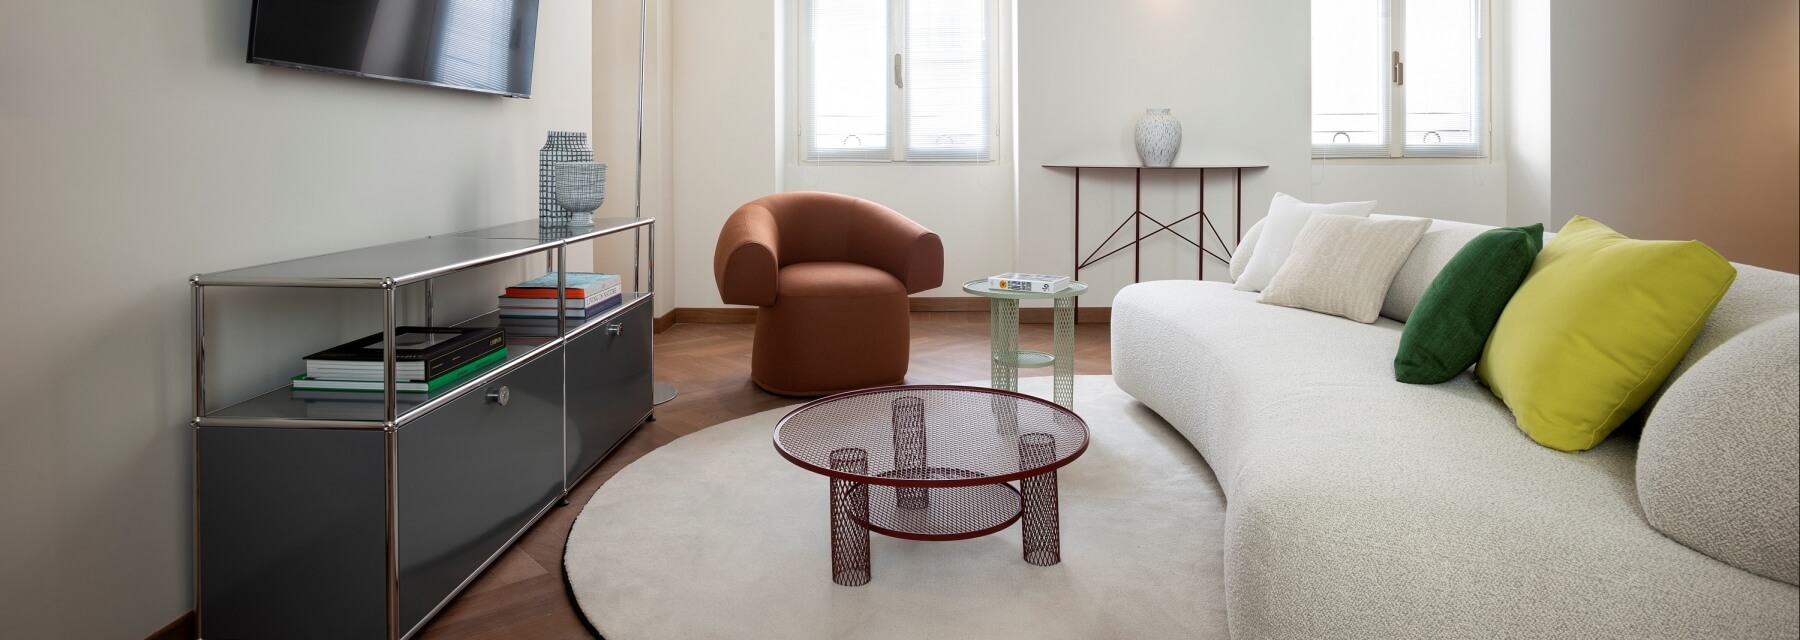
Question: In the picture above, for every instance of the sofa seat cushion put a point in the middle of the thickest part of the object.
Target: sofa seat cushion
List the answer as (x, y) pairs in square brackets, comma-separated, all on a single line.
[(1359, 506), (837, 280)]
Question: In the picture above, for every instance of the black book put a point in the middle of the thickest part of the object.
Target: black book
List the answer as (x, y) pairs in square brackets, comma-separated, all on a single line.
[(439, 349)]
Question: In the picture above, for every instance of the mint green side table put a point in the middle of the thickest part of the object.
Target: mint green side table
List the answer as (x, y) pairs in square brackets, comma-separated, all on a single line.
[(1003, 337)]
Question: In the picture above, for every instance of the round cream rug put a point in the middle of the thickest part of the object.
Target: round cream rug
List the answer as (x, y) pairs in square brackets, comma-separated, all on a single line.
[(715, 535)]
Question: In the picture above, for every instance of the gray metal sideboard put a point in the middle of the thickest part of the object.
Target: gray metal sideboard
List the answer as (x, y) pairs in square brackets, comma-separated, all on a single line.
[(345, 519)]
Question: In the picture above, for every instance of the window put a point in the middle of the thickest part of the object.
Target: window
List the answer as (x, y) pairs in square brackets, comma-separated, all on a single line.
[(897, 80), (1416, 67)]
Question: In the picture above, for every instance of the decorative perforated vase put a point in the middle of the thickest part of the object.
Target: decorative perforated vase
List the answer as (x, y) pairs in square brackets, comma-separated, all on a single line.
[(563, 146), (1158, 138), (580, 189)]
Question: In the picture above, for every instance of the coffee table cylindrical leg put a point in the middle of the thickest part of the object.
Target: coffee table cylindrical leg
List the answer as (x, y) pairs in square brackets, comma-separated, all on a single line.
[(1041, 522), (909, 451), (849, 502)]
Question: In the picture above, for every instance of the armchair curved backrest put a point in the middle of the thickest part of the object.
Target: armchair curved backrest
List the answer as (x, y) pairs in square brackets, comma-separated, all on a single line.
[(772, 232)]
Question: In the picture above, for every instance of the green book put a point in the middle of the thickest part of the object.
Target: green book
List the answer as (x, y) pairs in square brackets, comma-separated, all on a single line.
[(301, 382)]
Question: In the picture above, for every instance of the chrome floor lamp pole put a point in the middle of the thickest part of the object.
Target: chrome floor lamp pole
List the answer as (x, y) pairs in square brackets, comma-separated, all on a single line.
[(662, 392)]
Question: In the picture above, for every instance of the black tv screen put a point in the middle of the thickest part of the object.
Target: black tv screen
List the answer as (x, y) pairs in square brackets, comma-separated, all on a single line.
[(478, 45)]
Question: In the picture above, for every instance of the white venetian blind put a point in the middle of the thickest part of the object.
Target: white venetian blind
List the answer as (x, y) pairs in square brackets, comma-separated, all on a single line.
[(1350, 68), (1446, 79), (947, 81), (848, 79)]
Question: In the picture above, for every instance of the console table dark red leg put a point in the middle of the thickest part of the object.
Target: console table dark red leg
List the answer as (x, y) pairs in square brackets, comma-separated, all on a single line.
[(849, 503), (1041, 522)]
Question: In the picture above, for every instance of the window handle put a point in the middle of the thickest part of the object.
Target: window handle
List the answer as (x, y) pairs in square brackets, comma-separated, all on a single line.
[(898, 83), (1399, 70)]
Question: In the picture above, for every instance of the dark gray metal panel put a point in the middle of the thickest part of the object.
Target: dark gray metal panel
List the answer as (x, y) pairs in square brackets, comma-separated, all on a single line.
[(472, 474), (291, 530), (609, 388)]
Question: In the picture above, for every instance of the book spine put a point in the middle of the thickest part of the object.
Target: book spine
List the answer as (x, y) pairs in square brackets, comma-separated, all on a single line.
[(573, 292), (550, 302), (468, 353)]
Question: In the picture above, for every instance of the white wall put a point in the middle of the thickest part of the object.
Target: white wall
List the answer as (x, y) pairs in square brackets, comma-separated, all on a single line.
[(1235, 72), (1525, 92), (725, 151), (615, 133), (136, 148), (1681, 120)]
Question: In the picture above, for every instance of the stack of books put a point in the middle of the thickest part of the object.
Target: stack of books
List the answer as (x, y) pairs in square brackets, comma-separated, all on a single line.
[(528, 309), (427, 360)]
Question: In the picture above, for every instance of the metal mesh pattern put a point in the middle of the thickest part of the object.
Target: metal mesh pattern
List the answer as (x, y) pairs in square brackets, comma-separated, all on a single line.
[(1003, 328), (849, 504), (1065, 352), (954, 513), (971, 431), (1042, 528)]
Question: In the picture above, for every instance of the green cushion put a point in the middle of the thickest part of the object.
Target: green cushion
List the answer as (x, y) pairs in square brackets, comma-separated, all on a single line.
[(1446, 331)]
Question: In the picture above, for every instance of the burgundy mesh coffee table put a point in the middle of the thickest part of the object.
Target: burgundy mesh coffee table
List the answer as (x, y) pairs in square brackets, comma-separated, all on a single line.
[(934, 463)]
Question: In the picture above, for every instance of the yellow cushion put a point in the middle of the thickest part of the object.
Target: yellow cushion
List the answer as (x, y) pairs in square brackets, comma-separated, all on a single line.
[(1596, 327)]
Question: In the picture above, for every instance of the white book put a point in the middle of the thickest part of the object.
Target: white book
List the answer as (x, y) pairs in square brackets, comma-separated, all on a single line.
[(1029, 282)]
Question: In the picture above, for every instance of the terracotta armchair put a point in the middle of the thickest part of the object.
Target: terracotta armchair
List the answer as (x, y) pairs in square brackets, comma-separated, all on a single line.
[(830, 274)]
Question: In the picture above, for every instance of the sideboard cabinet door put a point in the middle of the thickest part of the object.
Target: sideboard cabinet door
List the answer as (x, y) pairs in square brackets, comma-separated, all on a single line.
[(472, 474)]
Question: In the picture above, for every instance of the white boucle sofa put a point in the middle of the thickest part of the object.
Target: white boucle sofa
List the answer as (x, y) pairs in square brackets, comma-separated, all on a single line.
[(1361, 507)]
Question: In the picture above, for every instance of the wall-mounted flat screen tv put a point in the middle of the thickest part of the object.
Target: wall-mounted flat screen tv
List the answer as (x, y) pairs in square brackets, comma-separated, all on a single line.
[(477, 45)]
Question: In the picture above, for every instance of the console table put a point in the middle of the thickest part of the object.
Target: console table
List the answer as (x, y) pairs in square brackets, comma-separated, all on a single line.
[(362, 519), (1137, 217)]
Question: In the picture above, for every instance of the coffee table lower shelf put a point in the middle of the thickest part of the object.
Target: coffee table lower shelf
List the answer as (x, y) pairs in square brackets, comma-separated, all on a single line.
[(939, 514)]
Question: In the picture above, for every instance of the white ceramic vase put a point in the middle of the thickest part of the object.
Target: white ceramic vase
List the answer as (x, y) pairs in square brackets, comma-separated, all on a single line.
[(1158, 138)]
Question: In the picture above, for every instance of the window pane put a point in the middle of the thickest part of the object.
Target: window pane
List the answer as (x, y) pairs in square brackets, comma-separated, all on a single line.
[(848, 81), (947, 88), (1443, 80), (1349, 73)]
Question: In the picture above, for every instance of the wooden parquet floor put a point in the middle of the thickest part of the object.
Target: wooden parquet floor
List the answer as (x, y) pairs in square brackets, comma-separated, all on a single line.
[(522, 594)]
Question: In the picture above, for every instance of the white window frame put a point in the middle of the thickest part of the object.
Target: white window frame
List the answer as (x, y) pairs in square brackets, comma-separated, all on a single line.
[(1395, 146), (896, 96)]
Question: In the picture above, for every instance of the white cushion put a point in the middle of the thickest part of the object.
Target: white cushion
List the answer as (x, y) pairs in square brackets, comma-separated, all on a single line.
[(1246, 247), (1342, 265), (1287, 216)]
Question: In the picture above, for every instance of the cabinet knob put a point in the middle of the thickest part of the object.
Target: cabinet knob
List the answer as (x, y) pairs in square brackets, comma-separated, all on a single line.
[(499, 395), (615, 328)]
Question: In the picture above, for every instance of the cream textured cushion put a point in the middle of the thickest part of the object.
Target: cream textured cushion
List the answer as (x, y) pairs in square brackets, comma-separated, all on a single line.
[(1342, 265), (1246, 247), (1718, 467), (1287, 216)]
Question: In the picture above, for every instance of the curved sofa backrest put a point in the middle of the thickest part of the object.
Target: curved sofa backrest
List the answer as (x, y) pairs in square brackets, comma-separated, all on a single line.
[(1435, 248)]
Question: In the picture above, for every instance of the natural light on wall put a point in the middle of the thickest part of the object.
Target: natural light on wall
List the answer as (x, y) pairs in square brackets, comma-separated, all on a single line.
[(1418, 67), (917, 71)]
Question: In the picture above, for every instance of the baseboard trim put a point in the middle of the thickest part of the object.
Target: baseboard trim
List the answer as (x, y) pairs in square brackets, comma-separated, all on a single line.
[(940, 304), (181, 628), (747, 315), (720, 315), (663, 322)]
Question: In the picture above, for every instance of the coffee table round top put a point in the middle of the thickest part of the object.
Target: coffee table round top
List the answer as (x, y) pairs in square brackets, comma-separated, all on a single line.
[(931, 436), (980, 287)]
